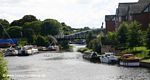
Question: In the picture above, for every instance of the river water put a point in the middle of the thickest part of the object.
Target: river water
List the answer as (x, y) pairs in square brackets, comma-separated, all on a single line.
[(69, 66)]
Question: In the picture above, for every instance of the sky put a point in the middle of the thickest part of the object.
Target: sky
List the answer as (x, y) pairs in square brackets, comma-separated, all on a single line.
[(75, 13)]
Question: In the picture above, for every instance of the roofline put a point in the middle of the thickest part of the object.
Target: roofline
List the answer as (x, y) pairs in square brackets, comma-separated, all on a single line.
[(145, 8)]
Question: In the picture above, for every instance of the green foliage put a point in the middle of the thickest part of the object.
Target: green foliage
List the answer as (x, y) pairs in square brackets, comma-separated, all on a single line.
[(122, 34), (51, 27), (22, 42), (95, 45), (112, 38), (35, 26), (66, 29), (3, 68), (26, 18), (84, 50), (15, 31), (4, 23), (148, 38), (41, 41), (89, 38), (134, 38), (64, 44), (30, 30)]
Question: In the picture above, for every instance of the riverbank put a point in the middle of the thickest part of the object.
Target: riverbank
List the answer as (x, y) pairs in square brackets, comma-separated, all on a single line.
[(145, 63)]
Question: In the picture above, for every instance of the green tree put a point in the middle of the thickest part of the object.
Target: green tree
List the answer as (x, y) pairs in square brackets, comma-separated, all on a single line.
[(95, 45), (16, 23), (41, 41), (148, 38), (134, 38), (122, 34), (26, 18), (14, 31), (35, 26), (4, 23), (89, 38), (112, 38), (51, 27), (66, 30), (1, 31)]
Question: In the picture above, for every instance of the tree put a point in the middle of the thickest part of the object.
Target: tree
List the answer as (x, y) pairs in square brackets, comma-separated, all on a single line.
[(65, 29), (51, 27), (29, 18), (122, 34), (1, 31), (4, 23), (89, 38), (35, 26), (95, 45), (26, 18), (41, 41), (112, 38), (16, 23), (134, 38), (148, 38), (14, 31)]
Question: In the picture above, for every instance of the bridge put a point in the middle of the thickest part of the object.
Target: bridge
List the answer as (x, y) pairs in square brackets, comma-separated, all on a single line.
[(80, 35)]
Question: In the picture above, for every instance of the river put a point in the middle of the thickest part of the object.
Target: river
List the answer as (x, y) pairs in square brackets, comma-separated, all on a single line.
[(69, 66)]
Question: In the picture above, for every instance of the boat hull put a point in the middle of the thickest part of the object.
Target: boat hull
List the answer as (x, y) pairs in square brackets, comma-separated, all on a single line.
[(129, 64)]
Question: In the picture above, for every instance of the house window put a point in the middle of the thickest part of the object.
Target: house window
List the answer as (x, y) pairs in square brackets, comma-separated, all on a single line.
[(147, 9)]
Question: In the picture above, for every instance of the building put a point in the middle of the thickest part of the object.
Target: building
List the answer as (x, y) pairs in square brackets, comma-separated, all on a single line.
[(110, 21), (135, 11)]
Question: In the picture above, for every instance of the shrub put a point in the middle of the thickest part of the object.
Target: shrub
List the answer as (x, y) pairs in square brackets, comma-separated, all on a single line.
[(3, 69)]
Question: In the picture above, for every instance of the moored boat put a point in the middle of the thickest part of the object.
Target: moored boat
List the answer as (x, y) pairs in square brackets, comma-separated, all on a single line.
[(93, 57), (27, 50), (10, 52), (129, 60), (109, 58)]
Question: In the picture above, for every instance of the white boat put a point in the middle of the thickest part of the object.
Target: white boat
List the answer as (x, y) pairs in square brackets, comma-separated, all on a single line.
[(28, 50), (10, 52), (129, 60), (108, 58)]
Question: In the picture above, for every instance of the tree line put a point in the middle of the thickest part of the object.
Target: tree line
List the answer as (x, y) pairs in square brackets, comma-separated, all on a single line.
[(31, 30)]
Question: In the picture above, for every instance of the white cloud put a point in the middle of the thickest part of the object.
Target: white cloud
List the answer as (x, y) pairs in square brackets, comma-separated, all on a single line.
[(76, 13)]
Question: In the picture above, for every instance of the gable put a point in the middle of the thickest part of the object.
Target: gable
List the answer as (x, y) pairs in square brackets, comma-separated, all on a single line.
[(147, 9)]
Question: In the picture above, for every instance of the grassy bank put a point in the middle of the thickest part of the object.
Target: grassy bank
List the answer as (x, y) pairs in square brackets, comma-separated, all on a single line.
[(84, 50)]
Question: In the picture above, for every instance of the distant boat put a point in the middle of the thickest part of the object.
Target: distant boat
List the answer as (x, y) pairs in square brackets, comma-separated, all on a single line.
[(27, 50), (10, 52), (108, 58), (129, 60), (93, 57)]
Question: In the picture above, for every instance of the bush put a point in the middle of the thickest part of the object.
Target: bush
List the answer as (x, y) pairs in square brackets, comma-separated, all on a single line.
[(3, 69), (82, 50)]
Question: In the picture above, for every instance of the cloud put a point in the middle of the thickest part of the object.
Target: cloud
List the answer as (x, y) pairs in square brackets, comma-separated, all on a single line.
[(76, 13)]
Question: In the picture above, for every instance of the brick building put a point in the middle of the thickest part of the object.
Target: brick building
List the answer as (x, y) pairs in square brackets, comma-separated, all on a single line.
[(135, 11), (110, 21)]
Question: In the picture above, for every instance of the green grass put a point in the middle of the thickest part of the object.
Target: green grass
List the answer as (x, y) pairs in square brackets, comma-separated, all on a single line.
[(141, 52), (146, 60)]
